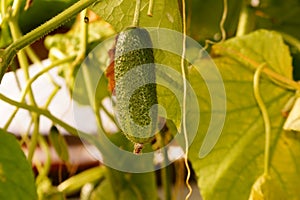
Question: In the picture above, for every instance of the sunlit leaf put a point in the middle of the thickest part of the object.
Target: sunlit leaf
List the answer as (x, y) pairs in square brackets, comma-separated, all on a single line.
[(119, 14), (237, 160), (293, 121)]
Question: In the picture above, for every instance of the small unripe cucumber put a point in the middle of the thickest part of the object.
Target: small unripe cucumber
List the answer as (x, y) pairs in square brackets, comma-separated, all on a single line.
[(134, 59)]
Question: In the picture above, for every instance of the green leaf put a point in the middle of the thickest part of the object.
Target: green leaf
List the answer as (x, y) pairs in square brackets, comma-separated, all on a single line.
[(16, 176), (237, 160), (119, 14), (40, 11), (259, 47), (59, 143)]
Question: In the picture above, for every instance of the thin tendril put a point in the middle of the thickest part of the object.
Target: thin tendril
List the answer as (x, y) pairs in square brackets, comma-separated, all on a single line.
[(183, 69), (265, 116), (221, 25), (222, 22)]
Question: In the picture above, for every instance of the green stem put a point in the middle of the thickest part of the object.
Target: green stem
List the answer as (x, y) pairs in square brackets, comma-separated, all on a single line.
[(110, 116), (253, 65), (166, 177), (265, 116), (34, 137), (16, 34), (136, 191), (89, 86), (90, 93), (51, 96), (136, 15), (73, 184), (150, 8), (45, 170), (32, 55), (40, 31), (246, 20), (16, 8), (29, 82), (3, 10), (43, 112)]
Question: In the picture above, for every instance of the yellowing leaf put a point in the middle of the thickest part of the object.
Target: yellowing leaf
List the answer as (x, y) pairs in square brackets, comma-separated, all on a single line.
[(264, 188), (293, 121)]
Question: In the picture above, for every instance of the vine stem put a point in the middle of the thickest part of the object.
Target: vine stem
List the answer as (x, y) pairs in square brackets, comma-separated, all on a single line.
[(265, 116), (184, 110), (22, 58), (43, 172), (30, 81), (275, 77), (74, 183), (40, 111), (40, 31)]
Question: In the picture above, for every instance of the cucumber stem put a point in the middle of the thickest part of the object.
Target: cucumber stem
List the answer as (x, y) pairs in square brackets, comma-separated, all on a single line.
[(136, 15), (41, 111)]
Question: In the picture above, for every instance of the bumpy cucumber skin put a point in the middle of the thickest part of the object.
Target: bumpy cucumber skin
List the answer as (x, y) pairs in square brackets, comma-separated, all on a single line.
[(130, 53)]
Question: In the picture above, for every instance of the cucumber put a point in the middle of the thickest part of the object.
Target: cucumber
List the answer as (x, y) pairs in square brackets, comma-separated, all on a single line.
[(133, 50)]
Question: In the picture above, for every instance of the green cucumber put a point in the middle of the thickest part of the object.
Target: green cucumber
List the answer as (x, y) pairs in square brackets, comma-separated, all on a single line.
[(134, 52)]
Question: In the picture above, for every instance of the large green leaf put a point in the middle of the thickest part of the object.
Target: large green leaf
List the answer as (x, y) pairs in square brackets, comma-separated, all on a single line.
[(237, 160), (119, 14), (16, 177)]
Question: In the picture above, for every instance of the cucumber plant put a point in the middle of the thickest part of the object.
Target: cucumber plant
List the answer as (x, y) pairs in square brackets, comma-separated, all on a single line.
[(241, 144)]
